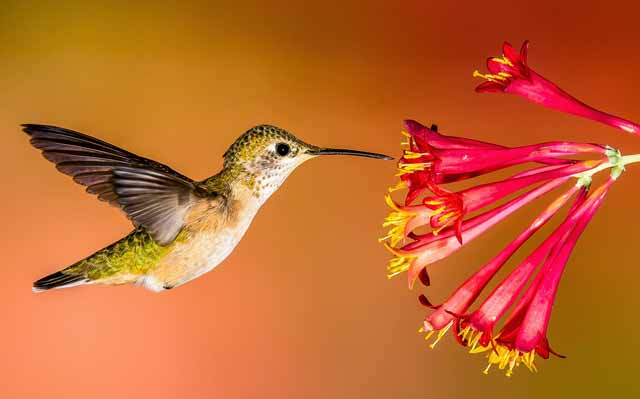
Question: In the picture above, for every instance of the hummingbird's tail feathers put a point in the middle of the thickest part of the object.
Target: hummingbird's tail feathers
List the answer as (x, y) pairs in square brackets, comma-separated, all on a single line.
[(58, 280)]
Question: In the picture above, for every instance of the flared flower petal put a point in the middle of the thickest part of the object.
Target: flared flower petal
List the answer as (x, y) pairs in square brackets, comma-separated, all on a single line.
[(511, 74)]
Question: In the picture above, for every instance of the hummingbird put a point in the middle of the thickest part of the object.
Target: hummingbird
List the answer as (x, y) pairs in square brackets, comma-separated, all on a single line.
[(182, 228)]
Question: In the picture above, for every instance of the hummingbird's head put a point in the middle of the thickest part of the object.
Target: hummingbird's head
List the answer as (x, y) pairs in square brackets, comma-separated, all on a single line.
[(267, 154)]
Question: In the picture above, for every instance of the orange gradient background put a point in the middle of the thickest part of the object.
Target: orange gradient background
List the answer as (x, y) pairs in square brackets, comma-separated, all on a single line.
[(302, 308)]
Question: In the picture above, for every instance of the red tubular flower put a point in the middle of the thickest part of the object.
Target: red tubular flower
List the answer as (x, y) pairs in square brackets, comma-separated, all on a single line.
[(511, 74), (434, 159), (415, 166)]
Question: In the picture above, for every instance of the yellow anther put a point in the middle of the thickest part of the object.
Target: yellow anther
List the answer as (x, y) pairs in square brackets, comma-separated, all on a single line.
[(448, 216), (464, 332), (412, 167), (385, 238), (508, 359), (389, 201), (502, 60), (474, 342), (501, 77), (439, 229), (400, 263), (441, 334), (439, 210), (479, 349), (401, 185), (397, 220)]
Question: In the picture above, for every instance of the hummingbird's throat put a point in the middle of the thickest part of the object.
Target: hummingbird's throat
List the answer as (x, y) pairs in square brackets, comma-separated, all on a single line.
[(263, 185)]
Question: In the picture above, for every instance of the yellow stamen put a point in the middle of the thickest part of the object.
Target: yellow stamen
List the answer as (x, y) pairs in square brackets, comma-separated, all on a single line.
[(439, 210), (479, 349), (464, 332), (405, 168), (474, 342), (400, 186), (448, 216), (408, 154), (502, 60), (389, 201), (399, 264), (397, 221), (431, 331), (508, 359), (385, 238), (501, 77), (441, 334)]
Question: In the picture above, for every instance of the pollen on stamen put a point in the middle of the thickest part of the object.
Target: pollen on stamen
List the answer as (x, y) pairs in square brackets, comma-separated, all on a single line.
[(508, 359), (502, 60), (397, 221), (413, 155), (500, 78), (445, 219), (440, 332), (434, 202), (399, 264), (405, 168), (400, 186)]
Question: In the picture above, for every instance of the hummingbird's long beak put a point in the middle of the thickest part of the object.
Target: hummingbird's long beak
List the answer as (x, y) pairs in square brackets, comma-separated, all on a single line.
[(339, 151)]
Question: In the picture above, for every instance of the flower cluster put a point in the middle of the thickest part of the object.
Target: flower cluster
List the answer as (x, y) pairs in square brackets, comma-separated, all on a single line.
[(510, 323)]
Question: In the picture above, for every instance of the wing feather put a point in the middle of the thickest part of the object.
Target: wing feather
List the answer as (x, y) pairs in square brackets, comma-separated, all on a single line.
[(151, 194)]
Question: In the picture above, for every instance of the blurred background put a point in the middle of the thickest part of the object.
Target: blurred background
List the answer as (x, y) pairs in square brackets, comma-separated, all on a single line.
[(302, 308)]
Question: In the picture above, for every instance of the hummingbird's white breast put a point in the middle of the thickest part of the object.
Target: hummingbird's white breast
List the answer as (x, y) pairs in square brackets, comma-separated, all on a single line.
[(209, 242)]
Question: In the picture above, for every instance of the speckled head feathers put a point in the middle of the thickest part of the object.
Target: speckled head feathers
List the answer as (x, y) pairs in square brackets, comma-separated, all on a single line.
[(256, 141)]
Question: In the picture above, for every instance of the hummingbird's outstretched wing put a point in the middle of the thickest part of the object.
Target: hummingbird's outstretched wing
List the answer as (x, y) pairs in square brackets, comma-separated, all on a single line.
[(151, 194)]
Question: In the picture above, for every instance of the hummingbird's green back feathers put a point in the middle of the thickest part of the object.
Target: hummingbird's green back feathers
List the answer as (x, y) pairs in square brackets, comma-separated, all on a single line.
[(152, 195)]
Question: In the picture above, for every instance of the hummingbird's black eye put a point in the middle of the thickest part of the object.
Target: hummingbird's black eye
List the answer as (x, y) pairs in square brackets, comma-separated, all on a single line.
[(282, 149)]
